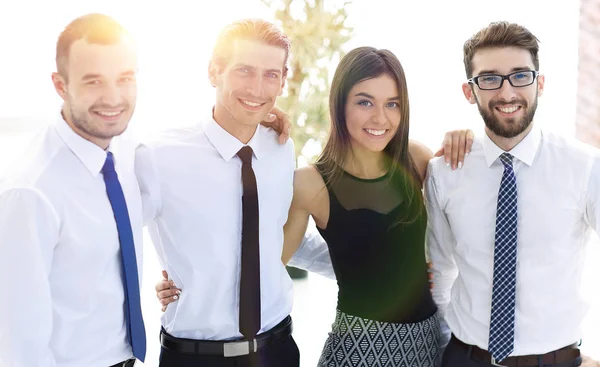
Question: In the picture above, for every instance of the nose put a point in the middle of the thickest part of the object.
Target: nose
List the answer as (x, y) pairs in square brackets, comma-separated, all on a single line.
[(379, 115), (111, 95), (506, 91), (255, 86)]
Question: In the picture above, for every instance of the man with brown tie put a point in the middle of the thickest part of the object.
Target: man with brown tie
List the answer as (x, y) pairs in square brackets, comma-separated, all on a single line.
[(214, 192)]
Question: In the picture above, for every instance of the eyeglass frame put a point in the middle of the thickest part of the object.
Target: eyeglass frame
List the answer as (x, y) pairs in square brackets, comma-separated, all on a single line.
[(475, 79)]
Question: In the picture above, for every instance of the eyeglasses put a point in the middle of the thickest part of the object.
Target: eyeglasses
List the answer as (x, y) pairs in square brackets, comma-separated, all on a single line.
[(494, 81)]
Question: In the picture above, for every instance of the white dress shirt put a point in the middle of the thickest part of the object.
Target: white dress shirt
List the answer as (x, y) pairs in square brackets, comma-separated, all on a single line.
[(60, 254), (558, 195), (192, 190)]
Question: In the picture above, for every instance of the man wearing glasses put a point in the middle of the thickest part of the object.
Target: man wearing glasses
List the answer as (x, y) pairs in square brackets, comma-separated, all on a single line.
[(507, 232)]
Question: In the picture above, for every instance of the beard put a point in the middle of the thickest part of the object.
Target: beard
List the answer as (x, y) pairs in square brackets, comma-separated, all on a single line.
[(513, 126), (83, 121)]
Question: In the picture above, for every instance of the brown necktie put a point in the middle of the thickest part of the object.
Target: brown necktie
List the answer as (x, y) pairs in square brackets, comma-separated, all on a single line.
[(250, 275)]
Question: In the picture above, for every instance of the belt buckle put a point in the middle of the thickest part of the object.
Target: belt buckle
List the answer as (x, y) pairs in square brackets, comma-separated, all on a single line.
[(493, 362), (239, 348)]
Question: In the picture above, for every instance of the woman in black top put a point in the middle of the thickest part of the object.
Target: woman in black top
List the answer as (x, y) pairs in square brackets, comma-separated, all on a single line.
[(364, 194)]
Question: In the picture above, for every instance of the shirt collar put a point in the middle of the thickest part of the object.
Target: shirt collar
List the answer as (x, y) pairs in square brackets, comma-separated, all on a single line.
[(91, 155), (524, 151), (226, 144)]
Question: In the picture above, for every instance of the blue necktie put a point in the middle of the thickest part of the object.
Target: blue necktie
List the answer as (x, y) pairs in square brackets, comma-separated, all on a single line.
[(133, 311), (502, 322)]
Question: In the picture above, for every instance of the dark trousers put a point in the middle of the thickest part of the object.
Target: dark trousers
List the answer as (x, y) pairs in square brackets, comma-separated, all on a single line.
[(457, 356), (283, 353)]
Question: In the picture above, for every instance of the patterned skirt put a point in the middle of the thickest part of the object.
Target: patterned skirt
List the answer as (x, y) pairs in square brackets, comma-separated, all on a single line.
[(358, 342)]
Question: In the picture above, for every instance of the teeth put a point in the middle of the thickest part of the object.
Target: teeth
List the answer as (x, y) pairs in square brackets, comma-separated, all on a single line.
[(375, 132), (251, 104), (508, 109), (108, 114)]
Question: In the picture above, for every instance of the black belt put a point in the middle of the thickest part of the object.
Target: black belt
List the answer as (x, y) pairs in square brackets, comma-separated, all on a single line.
[(127, 363), (562, 355), (229, 348)]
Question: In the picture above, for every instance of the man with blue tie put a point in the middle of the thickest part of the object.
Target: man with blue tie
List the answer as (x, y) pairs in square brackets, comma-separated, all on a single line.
[(71, 216), (507, 232)]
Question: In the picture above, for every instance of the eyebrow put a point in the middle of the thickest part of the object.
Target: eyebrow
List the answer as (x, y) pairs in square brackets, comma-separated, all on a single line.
[(494, 71), (278, 71), (363, 94), (98, 76)]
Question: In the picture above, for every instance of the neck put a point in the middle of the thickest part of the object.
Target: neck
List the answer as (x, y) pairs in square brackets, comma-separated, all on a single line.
[(102, 143), (238, 130), (507, 144), (366, 164)]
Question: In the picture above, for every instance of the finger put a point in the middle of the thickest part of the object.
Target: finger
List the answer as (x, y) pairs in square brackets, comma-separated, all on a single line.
[(470, 138), (169, 293), (165, 275), (429, 266), (447, 148), (462, 139), (440, 152), (455, 139), (162, 285), (270, 117), (431, 285), (163, 308)]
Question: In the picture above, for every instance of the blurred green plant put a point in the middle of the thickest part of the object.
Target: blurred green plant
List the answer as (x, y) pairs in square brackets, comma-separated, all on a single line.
[(318, 32)]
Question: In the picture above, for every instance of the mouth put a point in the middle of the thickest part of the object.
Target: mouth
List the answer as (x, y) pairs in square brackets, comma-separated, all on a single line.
[(508, 111), (109, 115), (251, 105), (376, 133)]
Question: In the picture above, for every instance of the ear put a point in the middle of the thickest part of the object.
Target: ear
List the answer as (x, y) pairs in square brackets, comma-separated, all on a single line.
[(541, 80), (283, 80), (212, 73), (60, 85), (469, 93)]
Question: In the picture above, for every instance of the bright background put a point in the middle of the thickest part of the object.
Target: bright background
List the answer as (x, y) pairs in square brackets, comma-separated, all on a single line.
[(175, 42)]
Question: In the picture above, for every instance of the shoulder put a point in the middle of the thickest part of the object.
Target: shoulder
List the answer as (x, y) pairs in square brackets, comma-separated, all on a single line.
[(568, 146), (270, 138), (421, 156), (33, 160), (308, 183)]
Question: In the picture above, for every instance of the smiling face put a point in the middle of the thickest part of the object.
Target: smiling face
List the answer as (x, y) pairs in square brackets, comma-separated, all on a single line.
[(99, 90), (508, 111), (248, 84), (373, 113)]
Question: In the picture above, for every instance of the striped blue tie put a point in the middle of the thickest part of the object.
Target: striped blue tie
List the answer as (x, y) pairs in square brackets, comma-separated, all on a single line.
[(133, 312), (502, 322)]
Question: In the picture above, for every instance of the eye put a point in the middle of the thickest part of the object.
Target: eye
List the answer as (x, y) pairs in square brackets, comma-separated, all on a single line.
[(392, 104), (365, 103), (127, 79), (521, 76), (489, 78), (93, 82), (243, 70), (272, 75)]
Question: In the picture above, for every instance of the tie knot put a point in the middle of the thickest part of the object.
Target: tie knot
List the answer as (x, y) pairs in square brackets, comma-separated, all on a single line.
[(109, 163), (506, 159), (245, 155)]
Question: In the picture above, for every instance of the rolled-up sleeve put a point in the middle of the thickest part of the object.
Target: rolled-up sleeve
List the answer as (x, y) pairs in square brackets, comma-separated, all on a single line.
[(313, 256)]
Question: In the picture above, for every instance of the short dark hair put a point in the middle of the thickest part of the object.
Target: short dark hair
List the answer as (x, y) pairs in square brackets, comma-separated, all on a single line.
[(500, 34), (253, 30), (94, 28)]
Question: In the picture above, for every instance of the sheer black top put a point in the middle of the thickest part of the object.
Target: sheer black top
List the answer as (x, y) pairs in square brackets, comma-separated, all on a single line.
[(376, 238)]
